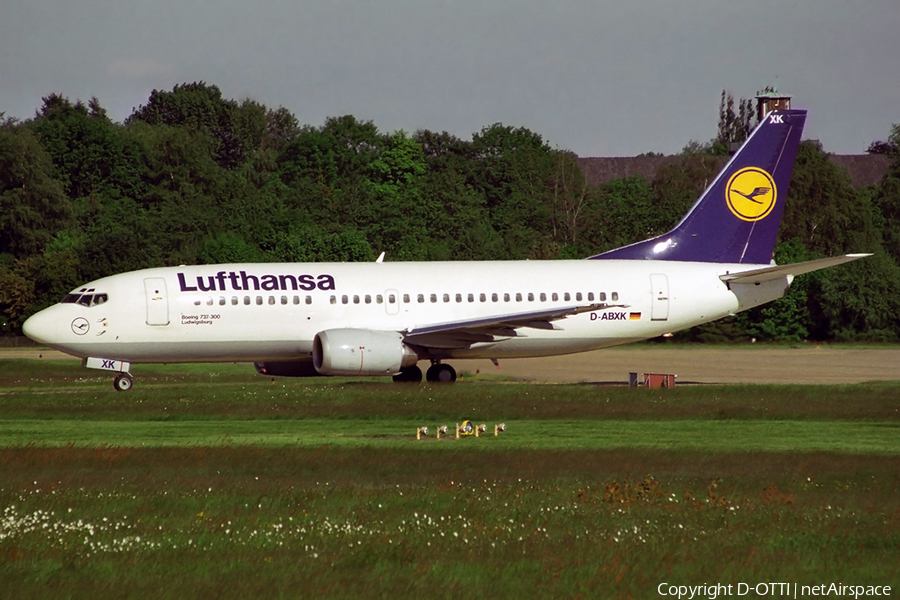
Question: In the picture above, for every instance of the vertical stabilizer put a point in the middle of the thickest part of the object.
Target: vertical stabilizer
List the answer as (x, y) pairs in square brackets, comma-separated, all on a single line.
[(736, 219)]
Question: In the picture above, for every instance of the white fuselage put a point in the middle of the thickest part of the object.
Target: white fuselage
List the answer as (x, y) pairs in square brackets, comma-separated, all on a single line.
[(252, 312)]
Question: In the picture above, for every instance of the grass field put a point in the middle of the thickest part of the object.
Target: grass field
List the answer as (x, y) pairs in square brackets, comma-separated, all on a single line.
[(213, 481)]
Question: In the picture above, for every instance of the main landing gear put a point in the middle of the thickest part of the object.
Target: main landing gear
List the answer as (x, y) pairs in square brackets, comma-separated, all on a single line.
[(440, 373), (436, 373), (411, 374)]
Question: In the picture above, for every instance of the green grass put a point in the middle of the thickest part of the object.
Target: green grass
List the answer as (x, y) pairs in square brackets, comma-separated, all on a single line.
[(211, 481), (693, 434)]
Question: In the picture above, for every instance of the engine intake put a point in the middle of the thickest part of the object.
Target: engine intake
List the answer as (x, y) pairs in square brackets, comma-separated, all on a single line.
[(361, 352)]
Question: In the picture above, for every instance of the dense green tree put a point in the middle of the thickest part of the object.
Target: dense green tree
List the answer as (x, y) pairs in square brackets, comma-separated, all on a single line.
[(886, 203), (33, 205), (823, 210), (734, 127), (199, 107), (396, 220), (625, 208), (89, 152), (515, 168)]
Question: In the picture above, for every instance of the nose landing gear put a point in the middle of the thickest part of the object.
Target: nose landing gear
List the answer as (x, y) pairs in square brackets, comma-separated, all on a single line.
[(123, 382)]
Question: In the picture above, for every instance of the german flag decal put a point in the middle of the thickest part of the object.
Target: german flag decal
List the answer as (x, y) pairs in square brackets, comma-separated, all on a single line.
[(634, 316)]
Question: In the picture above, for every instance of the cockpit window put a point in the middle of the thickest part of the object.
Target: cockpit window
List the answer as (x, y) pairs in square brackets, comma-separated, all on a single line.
[(85, 299)]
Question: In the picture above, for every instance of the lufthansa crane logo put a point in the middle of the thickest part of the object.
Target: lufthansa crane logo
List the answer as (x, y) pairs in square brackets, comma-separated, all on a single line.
[(750, 194), (80, 326)]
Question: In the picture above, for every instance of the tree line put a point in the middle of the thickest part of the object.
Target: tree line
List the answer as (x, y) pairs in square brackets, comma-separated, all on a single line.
[(191, 177)]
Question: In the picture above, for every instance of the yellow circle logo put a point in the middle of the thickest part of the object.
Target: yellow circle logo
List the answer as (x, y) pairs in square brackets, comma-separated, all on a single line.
[(750, 194)]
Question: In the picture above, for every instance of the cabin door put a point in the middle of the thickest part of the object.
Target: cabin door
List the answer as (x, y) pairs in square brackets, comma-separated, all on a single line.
[(157, 301), (659, 287)]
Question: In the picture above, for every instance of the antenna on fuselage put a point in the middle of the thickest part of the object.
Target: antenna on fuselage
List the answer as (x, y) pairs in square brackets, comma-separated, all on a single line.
[(380, 258)]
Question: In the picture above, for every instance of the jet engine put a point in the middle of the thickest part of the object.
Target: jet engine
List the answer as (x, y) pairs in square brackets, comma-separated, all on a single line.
[(361, 352)]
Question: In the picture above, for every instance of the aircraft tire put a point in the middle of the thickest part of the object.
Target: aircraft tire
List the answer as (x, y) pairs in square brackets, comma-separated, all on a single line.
[(123, 383), (411, 374), (440, 373)]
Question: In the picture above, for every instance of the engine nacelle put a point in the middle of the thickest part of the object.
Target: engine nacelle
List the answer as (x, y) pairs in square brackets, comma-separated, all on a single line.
[(287, 368), (361, 352)]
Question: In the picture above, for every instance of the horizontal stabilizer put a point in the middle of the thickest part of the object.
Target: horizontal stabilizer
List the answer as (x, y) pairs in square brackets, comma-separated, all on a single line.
[(777, 271)]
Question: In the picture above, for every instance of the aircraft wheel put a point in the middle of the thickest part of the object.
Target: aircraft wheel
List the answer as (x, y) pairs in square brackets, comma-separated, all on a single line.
[(411, 374), (123, 382), (441, 374)]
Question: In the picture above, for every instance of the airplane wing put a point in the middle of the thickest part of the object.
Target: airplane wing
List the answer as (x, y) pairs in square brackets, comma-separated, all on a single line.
[(776, 271), (464, 333)]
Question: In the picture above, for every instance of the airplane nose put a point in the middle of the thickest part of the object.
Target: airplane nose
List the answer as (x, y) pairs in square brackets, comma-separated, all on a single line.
[(41, 327)]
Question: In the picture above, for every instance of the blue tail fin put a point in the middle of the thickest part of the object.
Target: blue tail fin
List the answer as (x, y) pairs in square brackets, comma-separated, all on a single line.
[(736, 219)]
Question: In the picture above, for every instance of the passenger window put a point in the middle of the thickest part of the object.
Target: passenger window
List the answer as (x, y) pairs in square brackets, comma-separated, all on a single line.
[(197, 303), (355, 299), (296, 299), (615, 296), (459, 297), (482, 297), (495, 298), (234, 300), (259, 300), (368, 299), (333, 299), (406, 298), (602, 296), (345, 299), (271, 299), (209, 301), (379, 299), (590, 296), (518, 296), (506, 297), (433, 298), (567, 296), (420, 298), (308, 299), (578, 296), (531, 296), (446, 297), (391, 299), (247, 300), (555, 297), (543, 297), (471, 298), (284, 299)]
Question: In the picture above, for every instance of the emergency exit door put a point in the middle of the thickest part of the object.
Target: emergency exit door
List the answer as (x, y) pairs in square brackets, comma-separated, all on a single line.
[(392, 302)]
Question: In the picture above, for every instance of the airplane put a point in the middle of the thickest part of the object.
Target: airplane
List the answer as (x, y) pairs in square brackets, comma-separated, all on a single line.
[(367, 319)]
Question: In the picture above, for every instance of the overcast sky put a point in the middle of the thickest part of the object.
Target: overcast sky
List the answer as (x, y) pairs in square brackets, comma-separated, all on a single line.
[(598, 77)]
